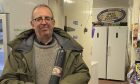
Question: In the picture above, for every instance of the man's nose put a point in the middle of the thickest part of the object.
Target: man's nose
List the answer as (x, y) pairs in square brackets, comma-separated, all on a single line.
[(44, 21)]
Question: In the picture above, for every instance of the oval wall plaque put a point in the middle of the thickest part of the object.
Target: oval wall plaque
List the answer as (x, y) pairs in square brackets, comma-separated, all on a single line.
[(111, 15)]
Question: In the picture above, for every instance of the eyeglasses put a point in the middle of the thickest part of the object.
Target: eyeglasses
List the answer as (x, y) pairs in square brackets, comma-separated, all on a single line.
[(41, 18)]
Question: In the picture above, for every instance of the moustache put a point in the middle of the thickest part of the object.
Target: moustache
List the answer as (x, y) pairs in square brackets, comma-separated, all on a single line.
[(44, 26)]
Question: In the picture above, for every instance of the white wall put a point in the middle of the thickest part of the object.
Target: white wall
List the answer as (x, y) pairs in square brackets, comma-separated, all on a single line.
[(80, 11), (58, 10)]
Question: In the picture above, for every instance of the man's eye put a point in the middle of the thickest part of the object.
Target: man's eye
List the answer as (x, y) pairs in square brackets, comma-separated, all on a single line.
[(48, 18), (38, 19)]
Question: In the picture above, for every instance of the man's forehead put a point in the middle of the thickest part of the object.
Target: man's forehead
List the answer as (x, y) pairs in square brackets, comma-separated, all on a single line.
[(39, 9), (42, 11)]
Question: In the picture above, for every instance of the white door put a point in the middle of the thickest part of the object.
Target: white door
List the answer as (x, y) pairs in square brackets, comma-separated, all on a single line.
[(116, 52), (99, 49)]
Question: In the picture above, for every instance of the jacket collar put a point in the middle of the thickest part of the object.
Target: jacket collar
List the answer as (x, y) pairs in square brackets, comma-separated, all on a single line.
[(24, 41)]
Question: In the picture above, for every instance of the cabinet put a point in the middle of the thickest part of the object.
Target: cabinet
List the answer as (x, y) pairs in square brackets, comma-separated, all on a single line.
[(109, 49)]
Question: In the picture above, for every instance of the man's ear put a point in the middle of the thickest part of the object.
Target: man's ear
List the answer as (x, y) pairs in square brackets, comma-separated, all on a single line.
[(32, 24), (53, 22)]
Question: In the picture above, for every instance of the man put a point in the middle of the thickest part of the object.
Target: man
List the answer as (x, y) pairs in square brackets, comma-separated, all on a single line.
[(36, 56)]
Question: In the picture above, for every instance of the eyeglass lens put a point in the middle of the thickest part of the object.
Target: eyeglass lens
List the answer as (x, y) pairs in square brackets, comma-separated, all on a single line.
[(46, 18)]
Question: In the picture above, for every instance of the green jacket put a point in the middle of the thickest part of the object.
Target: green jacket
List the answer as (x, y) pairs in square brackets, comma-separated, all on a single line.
[(19, 67)]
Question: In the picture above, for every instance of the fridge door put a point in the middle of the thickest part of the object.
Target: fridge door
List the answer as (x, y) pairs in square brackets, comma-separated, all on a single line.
[(116, 52), (99, 50)]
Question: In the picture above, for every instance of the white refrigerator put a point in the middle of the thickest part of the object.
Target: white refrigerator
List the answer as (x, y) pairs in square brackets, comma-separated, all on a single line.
[(109, 49)]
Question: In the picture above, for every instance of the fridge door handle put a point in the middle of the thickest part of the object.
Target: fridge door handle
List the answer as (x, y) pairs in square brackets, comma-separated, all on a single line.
[(109, 51)]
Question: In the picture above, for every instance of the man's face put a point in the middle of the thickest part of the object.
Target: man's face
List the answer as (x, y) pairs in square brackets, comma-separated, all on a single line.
[(43, 22)]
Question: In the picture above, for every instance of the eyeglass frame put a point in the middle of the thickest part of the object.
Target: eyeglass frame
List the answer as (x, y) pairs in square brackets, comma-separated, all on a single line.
[(41, 18)]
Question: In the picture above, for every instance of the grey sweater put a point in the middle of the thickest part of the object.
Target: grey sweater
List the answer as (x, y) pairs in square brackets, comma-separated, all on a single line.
[(45, 56)]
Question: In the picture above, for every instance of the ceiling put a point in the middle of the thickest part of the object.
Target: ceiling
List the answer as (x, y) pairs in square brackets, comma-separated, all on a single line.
[(110, 3)]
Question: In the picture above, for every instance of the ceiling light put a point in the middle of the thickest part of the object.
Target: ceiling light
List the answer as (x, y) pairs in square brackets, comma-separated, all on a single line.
[(68, 1)]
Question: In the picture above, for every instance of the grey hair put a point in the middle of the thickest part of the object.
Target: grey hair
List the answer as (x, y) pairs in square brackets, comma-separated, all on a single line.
[(42, 5)]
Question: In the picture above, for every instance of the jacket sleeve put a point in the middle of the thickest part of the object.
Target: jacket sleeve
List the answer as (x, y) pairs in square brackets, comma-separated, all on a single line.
[(78, 73), (12, 73)]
